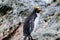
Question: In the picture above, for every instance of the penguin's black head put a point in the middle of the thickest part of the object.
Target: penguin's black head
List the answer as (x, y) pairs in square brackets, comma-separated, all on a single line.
[(37, 9)]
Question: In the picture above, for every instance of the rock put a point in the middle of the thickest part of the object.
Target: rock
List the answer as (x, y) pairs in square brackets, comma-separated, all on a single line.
[(21, 9)]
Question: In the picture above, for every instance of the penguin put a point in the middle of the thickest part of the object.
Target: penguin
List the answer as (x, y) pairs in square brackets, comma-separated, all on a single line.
[(37, 23), (29, 24)]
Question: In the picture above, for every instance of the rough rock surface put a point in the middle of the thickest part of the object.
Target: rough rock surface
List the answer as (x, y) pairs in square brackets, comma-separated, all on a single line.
[(49, 30)]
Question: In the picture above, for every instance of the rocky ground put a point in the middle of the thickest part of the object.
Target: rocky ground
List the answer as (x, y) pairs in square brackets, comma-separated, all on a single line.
[(9, 28), (18, 34)]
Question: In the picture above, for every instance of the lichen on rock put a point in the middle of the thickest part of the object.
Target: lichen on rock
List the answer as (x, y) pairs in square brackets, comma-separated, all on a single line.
[(21, 9)]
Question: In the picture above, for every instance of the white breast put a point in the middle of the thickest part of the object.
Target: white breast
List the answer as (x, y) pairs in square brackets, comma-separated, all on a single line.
[(36, 22)]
